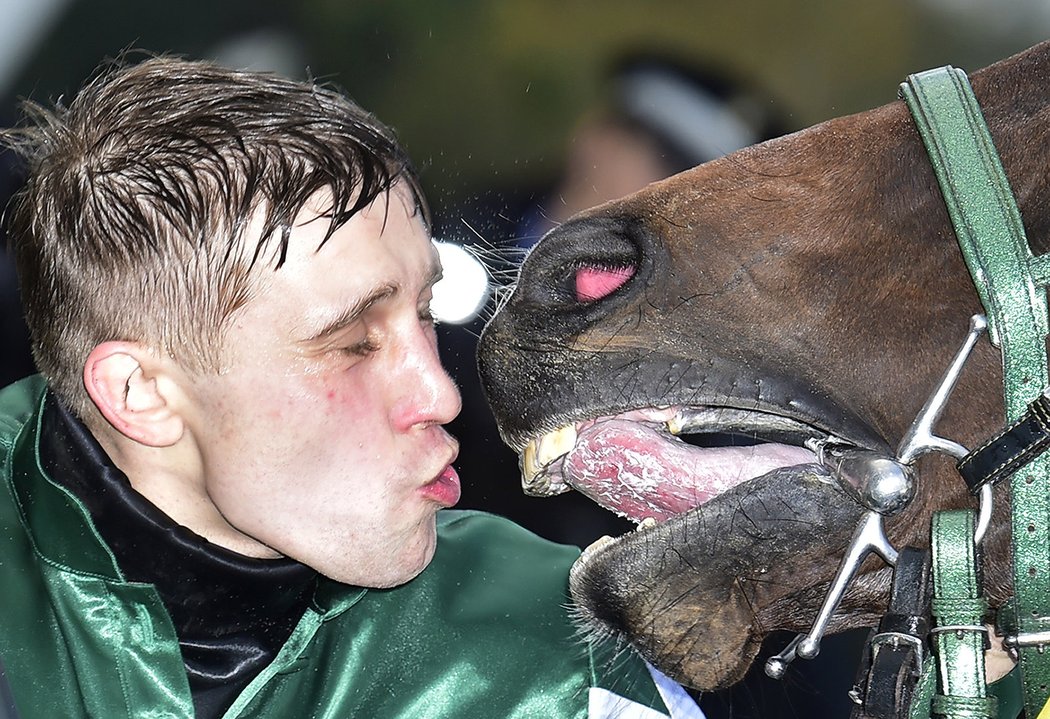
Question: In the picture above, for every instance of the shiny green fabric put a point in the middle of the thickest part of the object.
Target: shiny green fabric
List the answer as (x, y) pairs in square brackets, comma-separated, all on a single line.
[(482, 632)]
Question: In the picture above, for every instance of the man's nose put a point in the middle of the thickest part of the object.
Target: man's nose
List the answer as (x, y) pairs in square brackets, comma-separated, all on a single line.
[(429, 394)]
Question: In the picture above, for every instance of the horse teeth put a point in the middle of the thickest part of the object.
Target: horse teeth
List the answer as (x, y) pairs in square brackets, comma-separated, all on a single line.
[(675, 425), (531, 479), (556, 444), (538, 455), (646, 523), (687, 419), (598, 544)]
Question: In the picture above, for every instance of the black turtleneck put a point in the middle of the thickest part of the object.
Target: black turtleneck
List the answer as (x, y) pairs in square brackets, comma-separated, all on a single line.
[(231, 613)]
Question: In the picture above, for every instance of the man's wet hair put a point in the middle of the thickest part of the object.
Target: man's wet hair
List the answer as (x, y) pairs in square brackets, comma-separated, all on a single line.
[(134, 223)]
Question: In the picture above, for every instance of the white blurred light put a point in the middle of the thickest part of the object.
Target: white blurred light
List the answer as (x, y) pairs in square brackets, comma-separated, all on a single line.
[(464, 288)]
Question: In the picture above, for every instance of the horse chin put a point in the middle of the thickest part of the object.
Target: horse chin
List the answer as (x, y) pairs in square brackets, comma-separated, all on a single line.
[(690, 589)]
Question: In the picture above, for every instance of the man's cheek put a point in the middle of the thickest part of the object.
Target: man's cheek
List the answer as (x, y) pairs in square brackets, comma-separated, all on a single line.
[(342, 399)]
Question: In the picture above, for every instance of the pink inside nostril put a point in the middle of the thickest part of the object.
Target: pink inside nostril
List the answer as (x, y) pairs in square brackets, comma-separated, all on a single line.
[(594, 283)]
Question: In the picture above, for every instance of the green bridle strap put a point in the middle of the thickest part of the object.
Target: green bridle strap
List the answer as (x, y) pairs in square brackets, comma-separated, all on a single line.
[(922, 700), (1011, 284), (958, 610)]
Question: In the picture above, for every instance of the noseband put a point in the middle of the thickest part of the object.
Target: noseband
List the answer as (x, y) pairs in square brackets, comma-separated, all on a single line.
[(944, 665)]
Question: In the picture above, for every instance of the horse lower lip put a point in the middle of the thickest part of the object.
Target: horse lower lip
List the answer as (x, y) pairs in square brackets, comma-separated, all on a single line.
[(698, 577)]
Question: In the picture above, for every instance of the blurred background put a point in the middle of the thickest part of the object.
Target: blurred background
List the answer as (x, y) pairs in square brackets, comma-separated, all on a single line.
[(520, 112)]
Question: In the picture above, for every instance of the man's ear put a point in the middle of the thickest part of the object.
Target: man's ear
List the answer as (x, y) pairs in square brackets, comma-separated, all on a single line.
[(130, 386)]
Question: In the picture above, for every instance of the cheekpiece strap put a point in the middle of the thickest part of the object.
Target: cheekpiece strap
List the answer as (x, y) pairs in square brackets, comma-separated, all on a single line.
[(894, 662), (958, 613)]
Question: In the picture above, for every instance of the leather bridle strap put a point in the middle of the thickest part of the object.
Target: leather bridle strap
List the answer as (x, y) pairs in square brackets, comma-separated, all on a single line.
[(1011, 284), (898, 654)]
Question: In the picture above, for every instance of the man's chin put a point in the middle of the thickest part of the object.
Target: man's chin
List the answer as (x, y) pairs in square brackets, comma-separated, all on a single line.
[(384, 572)]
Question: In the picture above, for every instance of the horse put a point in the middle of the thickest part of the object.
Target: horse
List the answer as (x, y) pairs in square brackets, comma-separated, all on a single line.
[(675, 354)]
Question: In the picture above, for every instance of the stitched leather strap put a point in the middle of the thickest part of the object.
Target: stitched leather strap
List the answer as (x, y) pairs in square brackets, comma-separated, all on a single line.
[(958, 613), (1002, 455), (897, 649)]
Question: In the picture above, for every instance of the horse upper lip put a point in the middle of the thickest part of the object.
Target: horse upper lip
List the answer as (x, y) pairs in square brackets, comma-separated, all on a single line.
[(764, 425), (565, 393)]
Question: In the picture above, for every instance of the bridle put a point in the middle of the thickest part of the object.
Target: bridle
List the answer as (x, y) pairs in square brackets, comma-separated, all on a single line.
[(939, 669)]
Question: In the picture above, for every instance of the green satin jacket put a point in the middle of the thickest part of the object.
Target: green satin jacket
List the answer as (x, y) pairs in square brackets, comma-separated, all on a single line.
[(482, 632)]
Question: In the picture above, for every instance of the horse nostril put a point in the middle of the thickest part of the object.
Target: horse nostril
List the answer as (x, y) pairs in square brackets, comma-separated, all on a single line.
[(594, 283), (581, 266)]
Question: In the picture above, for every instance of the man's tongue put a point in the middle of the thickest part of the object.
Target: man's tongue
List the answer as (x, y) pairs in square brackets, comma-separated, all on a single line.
[(638, 472)]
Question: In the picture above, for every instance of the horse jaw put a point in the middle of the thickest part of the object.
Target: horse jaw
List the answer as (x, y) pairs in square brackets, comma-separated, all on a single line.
[(688, 590)]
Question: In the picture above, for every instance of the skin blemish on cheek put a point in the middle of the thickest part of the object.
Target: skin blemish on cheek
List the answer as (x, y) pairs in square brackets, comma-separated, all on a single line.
[(334, 400), (338, 399)]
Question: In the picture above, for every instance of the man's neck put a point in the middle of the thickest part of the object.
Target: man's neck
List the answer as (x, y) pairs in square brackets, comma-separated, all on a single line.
[(173, 479)]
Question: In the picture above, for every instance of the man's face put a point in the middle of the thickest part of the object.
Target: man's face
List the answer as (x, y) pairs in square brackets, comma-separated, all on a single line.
[(321, 437)]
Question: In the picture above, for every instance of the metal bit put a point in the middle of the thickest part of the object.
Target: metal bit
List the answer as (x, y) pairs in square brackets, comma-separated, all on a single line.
[(884, 486)]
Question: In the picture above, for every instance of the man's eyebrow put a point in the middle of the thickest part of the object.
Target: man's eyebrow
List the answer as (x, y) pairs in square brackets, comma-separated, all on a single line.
[(350, 315), (358, 308)]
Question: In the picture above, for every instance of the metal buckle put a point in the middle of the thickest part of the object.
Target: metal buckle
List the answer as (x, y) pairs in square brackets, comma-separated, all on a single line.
[(895, 639)]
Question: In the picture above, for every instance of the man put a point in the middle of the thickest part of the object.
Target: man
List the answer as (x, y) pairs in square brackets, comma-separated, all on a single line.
[(225, 498)]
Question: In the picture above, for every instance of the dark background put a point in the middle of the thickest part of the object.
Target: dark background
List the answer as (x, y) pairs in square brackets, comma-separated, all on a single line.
[(487, 96)]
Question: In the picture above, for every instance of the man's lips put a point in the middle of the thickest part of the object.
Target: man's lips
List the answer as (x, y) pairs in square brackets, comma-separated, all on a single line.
[(443, 489)]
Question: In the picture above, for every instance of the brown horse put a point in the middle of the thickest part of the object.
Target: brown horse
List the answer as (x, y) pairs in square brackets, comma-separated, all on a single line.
[(806, 287)]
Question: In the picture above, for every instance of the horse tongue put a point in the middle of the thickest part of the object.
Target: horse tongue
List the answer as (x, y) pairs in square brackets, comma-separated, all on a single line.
[(638, 472)]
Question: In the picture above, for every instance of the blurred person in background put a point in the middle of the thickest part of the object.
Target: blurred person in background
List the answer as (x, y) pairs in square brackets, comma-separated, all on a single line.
[(661, 116)]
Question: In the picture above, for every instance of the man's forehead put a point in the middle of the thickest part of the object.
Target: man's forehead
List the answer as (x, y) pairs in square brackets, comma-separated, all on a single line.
[(372, 288), (312, 226)]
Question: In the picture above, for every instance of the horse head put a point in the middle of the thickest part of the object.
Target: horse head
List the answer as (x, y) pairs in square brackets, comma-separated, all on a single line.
[(670, 354)]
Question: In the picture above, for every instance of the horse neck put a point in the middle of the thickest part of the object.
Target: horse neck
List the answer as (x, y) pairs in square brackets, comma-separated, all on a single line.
[(1015, 98)]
